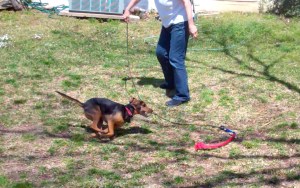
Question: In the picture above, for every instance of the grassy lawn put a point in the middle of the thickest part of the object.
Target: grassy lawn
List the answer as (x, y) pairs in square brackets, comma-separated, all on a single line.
[(244, 72)]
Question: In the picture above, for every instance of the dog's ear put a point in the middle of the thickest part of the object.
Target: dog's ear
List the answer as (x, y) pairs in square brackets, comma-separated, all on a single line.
[(142, 103), (132, 99)]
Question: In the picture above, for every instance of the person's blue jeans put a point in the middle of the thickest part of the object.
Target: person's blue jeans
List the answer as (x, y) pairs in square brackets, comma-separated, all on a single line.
[(171, 53)]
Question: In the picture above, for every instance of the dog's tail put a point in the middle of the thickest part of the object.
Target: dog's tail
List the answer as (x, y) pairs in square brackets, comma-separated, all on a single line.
[(70, 98)]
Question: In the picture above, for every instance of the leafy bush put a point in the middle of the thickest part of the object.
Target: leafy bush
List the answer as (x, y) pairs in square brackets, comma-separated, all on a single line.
[(288, 8)]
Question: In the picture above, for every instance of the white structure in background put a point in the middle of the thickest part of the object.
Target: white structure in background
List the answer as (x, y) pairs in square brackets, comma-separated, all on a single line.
[(144, 4), (200, 5), (54, 2)]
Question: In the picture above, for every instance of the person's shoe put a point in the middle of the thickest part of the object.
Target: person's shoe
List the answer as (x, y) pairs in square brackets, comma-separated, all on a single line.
[(174, 102), (164, 86)]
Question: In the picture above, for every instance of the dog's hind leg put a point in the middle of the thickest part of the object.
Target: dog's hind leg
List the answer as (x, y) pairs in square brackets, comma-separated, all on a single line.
[(94, 114), (95, 117), (111, 130)]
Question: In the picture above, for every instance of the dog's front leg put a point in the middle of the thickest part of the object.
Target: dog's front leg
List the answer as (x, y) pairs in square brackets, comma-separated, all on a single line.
[(101, 127)]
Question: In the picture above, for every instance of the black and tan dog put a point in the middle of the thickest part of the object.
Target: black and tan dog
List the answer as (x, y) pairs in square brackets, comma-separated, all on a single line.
[(101, 110)]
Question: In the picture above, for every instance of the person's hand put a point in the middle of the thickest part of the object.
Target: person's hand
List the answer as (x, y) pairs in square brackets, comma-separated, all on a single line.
[(193, 30), (126, 15)]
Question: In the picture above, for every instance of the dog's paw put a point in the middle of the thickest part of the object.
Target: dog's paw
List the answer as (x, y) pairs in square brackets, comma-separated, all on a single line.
[(132, 124), (93, 135), (99, 133), (105, 136)]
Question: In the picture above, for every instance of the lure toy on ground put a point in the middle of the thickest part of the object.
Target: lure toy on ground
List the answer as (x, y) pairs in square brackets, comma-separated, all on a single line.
[(203, 146)]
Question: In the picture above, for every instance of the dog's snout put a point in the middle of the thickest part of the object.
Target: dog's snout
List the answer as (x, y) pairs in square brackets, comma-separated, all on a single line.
[(150, 110)]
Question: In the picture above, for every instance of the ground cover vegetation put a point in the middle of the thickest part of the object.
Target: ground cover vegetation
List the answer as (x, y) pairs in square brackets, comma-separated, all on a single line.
[(244, 72)]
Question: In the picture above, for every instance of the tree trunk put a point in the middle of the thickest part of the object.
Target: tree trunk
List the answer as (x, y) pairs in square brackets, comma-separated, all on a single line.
[(17, 4)]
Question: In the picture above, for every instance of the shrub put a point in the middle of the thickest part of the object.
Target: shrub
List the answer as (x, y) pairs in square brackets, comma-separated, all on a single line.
[(287, 8)]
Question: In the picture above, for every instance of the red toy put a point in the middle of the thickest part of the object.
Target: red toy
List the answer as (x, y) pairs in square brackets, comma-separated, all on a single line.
[(201, 145)]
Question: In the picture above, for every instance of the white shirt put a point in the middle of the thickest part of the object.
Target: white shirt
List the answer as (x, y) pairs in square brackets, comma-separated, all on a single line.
[(171, 11)]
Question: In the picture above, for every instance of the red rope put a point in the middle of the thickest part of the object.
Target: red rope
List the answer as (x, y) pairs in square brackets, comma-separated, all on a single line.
[(203, 146)]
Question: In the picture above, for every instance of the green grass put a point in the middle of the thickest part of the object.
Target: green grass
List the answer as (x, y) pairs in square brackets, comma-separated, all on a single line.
[(244, 72), (252, 143), (3, 181)]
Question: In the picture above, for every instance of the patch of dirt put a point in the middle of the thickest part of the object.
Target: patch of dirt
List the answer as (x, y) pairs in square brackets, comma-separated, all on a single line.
[(21, 129)]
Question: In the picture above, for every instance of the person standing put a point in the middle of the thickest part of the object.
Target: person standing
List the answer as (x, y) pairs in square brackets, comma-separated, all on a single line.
[(177, 24)]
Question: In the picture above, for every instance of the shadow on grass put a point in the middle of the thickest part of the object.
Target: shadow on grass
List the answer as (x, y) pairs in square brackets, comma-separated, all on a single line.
[(66, 134), (222, 177), (264, 74), (118, 133), (289, 141), (155, 82), (132, 130), (269, 157), (177, 149)]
